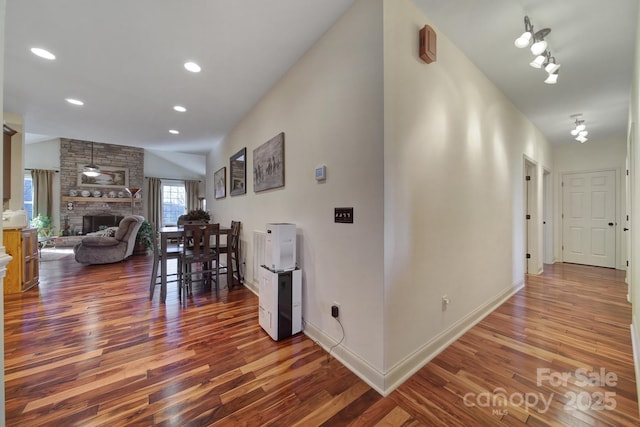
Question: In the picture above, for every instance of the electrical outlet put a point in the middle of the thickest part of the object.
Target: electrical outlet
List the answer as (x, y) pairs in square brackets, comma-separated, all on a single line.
[(335, 310), (445, 302)]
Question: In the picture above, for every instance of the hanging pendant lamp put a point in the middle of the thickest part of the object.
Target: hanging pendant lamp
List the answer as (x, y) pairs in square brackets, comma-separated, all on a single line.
[(91, 169)]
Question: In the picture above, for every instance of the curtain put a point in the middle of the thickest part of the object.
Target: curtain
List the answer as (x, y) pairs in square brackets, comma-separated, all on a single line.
[(191, 189), (154, 198), (42, 192)]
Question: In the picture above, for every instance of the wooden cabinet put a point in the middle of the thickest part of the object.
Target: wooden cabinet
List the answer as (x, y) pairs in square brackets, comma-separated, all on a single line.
[(6, 161), (23, 271)]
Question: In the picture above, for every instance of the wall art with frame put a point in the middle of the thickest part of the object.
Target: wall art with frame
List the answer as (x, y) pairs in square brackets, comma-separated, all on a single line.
[(268, 164), (110, 177), (220, 183), (238, 173)]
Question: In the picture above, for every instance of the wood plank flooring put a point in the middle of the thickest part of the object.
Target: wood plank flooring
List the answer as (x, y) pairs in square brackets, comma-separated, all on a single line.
[(88, 348)]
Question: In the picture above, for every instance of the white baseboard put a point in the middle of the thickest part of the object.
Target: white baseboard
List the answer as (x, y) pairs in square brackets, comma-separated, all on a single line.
[(385, 383), (635, 343), (352, 361), (410, 365), (252, 286)]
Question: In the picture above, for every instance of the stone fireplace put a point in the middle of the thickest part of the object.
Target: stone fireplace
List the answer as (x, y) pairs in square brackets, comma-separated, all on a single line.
[(74, 154), (91, 223)]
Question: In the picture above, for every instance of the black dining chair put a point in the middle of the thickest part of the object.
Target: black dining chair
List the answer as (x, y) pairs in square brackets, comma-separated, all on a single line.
[(173, 252), (232, 251), (202, 253)]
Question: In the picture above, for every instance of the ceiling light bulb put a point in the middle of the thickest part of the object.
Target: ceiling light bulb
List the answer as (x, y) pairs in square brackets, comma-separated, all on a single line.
[(580, 127), (179, 108), (551, 67), (574, 132), (43, 53), (552, 79), (538, 47), (192, 66), (74, 101), (581, 139), (537, 63), (583, 133), (524, 40), (173, 131)]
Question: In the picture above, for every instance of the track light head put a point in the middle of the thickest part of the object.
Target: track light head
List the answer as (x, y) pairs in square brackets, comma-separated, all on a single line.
[(552, 79), (551, 67), (525, 39), (539, 45), (538, 61)]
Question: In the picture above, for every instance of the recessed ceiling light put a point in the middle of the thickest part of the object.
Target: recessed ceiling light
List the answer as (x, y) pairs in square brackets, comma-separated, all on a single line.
[(74, 101), (173, 131), (192, 66), (43, 53), (179, 108)]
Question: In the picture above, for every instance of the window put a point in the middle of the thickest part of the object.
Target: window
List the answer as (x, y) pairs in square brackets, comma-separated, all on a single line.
[(28, 196), (173, 202)]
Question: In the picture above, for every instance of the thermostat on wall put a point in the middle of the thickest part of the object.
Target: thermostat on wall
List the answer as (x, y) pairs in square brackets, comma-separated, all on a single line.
[(321, 173)]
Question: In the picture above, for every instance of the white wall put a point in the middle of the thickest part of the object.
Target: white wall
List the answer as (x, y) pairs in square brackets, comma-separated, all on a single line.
[(594, 155), (454, 206), (330, 107), (3, 256), (430, 156), (16, 123), (634, 154)]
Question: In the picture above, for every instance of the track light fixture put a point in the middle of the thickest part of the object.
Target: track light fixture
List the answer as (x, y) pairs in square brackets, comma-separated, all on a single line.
[(580, 129), (539, 48)]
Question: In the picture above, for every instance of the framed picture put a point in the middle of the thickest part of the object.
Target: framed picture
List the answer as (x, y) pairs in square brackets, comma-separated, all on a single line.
[(220, 183), (268, 164), (238, 173), (109, 177)]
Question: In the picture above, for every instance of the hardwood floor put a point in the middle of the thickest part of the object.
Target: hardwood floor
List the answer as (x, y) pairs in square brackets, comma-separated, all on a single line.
[(87, 348)]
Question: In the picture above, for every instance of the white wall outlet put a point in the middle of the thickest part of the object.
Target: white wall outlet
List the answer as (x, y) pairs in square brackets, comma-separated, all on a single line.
[(445, 301)]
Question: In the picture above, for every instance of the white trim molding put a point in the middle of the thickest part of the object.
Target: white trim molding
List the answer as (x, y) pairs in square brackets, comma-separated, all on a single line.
[(385, 382), (414, 362), (635, 345)]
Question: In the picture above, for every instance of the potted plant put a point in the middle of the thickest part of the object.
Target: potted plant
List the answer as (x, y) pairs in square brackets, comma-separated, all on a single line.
[(198, 215), (145, 239), (44, 224)]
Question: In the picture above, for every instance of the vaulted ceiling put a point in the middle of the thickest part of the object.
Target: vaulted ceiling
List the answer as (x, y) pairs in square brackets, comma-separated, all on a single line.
[(125, 59)]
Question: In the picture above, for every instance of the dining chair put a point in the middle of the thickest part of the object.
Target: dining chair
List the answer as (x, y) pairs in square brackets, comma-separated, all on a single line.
[(232, 251), (203, 253), (173, 252)]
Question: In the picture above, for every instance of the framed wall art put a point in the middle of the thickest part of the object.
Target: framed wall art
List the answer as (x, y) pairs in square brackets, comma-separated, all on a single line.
[(238, 173), (268, 164), (109, 177), (220, 183)]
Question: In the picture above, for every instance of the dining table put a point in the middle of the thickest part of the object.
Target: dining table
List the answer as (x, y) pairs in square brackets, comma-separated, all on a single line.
[(177, 232)]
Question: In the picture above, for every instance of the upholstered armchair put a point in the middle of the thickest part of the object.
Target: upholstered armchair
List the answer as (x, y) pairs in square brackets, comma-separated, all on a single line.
[(106, 249)]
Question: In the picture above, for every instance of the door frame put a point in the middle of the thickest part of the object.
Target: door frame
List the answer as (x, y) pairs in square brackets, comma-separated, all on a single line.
[(547, 219), (531, 227)]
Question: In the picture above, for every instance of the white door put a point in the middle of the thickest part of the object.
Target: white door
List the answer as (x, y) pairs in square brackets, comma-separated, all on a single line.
[(588, 218)]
